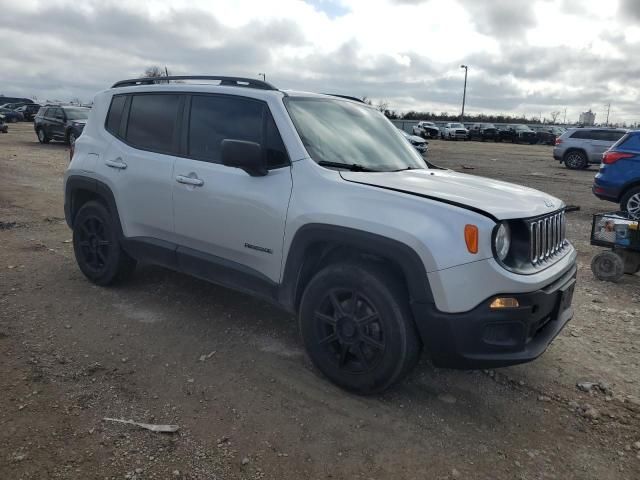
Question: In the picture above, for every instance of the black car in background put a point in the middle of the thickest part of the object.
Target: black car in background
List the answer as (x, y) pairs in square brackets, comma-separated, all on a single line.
[(547, 135), (60, 122), (11, 116), (517, 134), (28, 111), (483, 132)]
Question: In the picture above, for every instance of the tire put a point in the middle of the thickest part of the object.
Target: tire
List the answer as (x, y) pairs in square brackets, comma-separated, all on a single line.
[(14, 120), (363, 346), (71, 137), (42, 136), (607, 266), (630, 202), (575, 160), (97, 247)]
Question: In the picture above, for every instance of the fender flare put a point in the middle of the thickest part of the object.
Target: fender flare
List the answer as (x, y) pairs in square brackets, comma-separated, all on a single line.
[(369, 243), (75, 183)]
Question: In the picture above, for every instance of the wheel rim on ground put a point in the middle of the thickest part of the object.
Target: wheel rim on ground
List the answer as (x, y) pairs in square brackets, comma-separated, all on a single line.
[(633, 205), (93, 243), (349, 331)]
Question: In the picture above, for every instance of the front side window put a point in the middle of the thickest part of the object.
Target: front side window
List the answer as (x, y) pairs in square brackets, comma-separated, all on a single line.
[(217, 118), (348, 133), (153, 122)]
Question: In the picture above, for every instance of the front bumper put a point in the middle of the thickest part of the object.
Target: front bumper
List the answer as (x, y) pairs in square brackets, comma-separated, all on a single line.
[(486, 338)]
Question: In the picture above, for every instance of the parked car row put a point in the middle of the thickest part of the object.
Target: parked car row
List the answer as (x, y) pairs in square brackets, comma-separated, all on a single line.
[(541, 134)]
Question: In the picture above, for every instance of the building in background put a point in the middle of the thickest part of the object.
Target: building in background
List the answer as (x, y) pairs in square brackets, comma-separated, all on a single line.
[(587, 118)]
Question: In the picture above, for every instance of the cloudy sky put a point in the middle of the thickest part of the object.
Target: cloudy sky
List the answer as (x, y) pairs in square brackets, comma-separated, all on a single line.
[(524, 56)]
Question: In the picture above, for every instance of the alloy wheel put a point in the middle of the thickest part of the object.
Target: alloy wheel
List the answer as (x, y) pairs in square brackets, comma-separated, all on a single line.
[(633, 205), (94, 245), (350, 331)]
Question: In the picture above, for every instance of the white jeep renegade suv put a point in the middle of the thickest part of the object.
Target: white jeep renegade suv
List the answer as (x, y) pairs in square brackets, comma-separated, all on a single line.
[(317, 203)]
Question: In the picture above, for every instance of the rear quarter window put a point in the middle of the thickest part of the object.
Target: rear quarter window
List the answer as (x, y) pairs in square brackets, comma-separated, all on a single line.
[(114, 117)]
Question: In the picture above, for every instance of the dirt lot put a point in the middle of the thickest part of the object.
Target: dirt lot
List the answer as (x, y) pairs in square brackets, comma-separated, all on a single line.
[(229, 370)]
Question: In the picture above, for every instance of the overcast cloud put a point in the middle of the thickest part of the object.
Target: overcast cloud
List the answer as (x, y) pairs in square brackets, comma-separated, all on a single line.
[(525, 56)]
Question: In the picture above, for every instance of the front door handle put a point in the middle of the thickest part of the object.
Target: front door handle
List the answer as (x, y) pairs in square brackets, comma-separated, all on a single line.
[(190, 179), (117, 163)]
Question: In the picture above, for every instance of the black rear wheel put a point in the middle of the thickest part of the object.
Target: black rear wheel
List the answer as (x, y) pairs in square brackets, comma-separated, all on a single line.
[(357, 327), (97, 247)]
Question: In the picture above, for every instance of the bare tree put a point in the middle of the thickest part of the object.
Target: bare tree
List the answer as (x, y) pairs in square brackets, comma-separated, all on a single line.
[(75, 101), (155, 71), (383, 106), (554, 116)]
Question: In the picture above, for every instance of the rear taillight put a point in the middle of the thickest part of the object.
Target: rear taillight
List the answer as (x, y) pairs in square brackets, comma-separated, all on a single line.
[(613, 157), (72, 149), (558, 141)]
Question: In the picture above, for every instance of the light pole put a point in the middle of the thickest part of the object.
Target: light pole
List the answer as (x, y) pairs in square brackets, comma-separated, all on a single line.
[(464, 92), (264, 76)]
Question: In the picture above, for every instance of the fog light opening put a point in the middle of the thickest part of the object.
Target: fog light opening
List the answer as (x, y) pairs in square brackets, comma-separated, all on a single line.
[(504, 302)]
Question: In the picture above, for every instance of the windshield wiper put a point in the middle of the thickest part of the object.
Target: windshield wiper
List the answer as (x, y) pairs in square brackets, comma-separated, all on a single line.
[(354, 167)]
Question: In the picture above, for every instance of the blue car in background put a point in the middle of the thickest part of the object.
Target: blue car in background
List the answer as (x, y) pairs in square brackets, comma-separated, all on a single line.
[(619, 177)]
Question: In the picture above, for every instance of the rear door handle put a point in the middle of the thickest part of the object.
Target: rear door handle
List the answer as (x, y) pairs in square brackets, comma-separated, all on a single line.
[(117, 163), (191, 179)]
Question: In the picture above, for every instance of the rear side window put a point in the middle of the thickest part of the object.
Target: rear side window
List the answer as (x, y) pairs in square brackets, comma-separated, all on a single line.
[(152, 122), (583, 134), (114, 117), (612, 135)]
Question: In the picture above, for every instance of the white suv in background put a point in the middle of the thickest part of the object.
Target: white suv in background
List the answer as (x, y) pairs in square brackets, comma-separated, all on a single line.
[(318, 204)]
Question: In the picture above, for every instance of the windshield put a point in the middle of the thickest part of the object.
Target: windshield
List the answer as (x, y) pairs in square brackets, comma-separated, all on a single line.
[(77, 113), (345, 132), (456, 125)]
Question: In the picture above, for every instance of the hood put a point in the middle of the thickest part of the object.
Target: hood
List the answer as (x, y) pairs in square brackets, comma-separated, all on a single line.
[(500, 200)]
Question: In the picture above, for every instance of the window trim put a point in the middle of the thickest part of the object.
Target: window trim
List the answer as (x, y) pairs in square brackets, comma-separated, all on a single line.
[(184, 151)]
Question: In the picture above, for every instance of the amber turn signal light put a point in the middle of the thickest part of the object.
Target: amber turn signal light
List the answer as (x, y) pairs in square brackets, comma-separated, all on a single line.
[(471, 238), (504, 302)]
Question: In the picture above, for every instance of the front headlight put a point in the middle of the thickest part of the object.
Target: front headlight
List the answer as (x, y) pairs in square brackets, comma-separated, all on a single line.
[(502, 241)]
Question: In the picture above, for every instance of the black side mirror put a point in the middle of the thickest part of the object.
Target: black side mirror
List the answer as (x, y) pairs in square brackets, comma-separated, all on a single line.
[(245, 155)]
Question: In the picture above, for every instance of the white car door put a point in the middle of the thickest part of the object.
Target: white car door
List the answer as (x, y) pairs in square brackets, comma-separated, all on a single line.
[(138, 163), (222, 215)]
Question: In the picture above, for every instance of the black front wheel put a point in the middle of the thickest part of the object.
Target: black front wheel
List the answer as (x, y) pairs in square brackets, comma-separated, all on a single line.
[(42, 136), (97, 247), (357, 327)]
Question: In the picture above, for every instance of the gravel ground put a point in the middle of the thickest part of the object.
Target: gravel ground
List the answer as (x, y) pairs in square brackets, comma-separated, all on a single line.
[(230, 372)]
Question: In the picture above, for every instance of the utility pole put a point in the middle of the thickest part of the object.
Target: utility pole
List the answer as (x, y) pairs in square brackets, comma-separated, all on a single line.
[(264, 76), (166, 71), (464, 91), (608, 105), (564, 122)]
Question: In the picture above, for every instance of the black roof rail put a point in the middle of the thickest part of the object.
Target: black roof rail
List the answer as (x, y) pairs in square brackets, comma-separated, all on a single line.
[(232, 81), (355, 99)]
